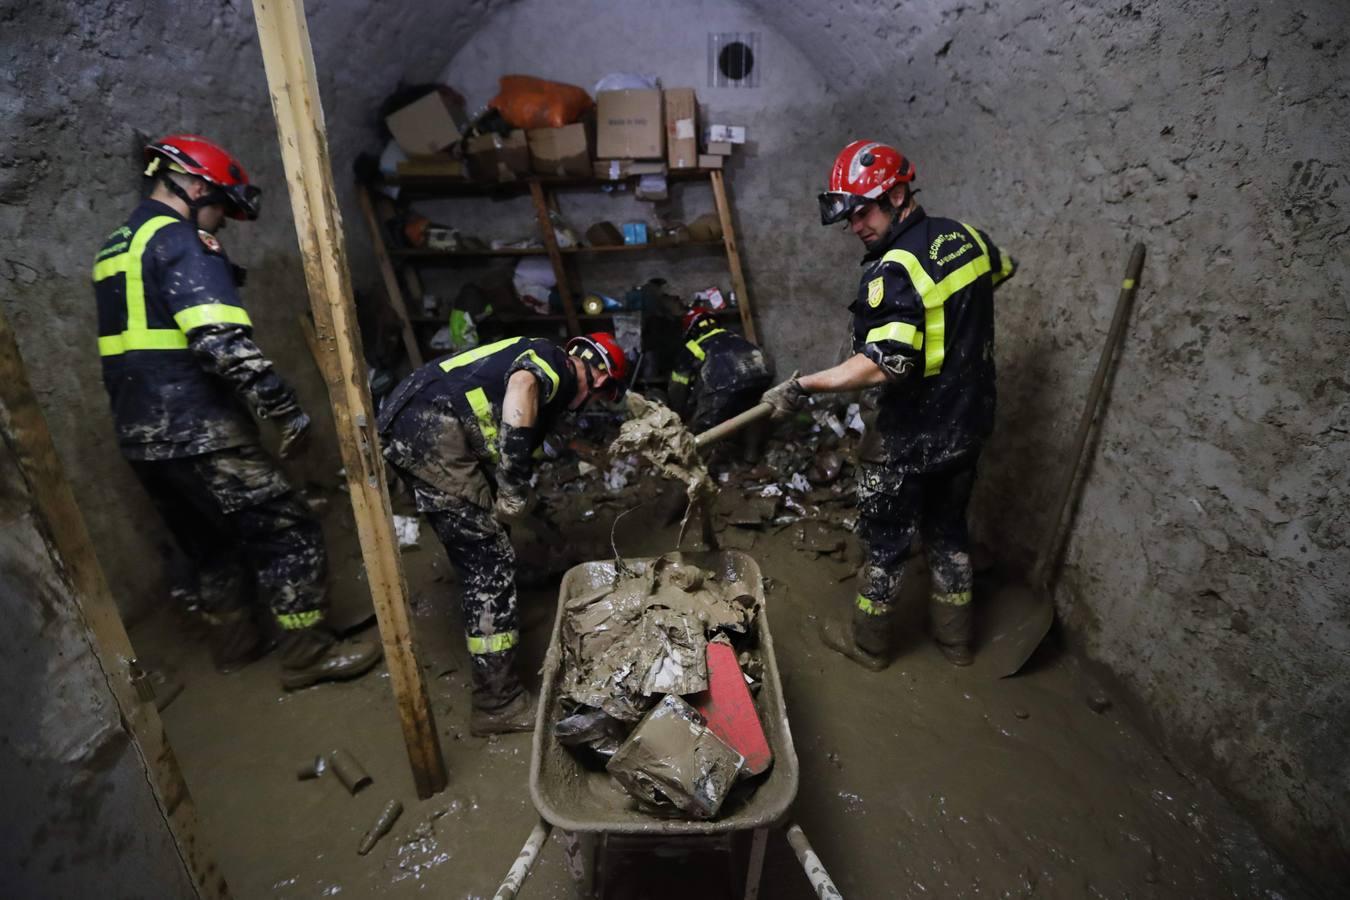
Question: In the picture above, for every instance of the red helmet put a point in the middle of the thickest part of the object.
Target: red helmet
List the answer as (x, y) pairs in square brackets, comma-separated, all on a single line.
[(601, 350), (694, 316), (195, 155), (863, 171)]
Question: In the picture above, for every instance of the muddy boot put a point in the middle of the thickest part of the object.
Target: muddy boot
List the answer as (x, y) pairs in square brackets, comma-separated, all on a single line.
[(501, 704), (952, 626), (864, 638), (311, 655), (234, 639)]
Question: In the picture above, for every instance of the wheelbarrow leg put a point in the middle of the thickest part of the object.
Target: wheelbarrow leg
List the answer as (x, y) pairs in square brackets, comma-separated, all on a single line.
[(758, 841), (574, 857), (520, 869), (815, 871)]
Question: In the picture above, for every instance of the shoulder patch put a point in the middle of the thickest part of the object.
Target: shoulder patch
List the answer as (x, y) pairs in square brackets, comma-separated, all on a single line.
[(876, 292), (209, 241)]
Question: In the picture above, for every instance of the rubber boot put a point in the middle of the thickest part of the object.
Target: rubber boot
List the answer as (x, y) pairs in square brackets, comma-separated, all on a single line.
[(312, 655), (234, 639), (864, 637), (501, 704), (952, 626)]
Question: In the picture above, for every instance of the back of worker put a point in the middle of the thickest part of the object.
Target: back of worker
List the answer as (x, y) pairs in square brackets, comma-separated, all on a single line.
[(462, 432), (718, 373), (182, 370)]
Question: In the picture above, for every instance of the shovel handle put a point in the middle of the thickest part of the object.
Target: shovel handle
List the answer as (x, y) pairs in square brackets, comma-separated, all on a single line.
[(520, 869), (734, 424), (811, 865)]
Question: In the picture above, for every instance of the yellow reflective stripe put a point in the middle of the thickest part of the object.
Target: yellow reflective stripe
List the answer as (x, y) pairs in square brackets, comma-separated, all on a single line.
[(546, 369), (677, 378), (477, 353), (146, 339), (211, 314), (136, 270), (493, 643), (958, 599), (113, 265), (693, 346), (487, 426), (903, 332), (703, 337), (935, 295), (872, 607), (296, 621)]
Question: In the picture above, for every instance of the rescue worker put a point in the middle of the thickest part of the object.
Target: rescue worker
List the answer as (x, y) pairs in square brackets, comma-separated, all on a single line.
[(182, 371), (464, 427), (923, 337), (722, 373)]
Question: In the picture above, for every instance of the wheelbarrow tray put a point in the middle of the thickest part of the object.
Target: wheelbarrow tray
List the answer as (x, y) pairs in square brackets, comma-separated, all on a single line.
[(575, 797)]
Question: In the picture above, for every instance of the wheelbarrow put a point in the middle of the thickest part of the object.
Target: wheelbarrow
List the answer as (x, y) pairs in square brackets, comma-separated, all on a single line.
[(585, 803)]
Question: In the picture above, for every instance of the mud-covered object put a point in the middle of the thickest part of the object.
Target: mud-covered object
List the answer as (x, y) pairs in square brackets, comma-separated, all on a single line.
[(654, 431), (672, 762), (920, 421), (718, 368), (893, 508), (480, 550), (625, 646), (230, 511), (173, 403)]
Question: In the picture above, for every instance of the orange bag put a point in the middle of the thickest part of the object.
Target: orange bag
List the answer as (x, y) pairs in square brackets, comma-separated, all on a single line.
[(527, 102)]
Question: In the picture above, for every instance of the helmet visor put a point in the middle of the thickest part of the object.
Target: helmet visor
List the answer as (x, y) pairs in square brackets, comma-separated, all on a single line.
[(245, 200), (836, 206)]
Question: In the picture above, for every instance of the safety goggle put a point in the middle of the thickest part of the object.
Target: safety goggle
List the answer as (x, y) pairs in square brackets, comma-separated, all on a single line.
[(836, 206)]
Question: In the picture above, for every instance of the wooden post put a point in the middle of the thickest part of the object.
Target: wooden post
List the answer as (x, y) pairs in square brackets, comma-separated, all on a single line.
[(390, 277), (554, 255), (289, 61), (54, 503), (719, 189)]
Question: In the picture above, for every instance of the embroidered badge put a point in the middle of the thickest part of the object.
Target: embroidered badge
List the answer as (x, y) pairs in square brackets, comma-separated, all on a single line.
[(209, 241), (876, 292)]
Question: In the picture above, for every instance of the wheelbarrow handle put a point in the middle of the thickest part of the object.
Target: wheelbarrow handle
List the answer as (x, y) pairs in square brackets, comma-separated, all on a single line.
[(811, 864), (734, 424), (520, 869)]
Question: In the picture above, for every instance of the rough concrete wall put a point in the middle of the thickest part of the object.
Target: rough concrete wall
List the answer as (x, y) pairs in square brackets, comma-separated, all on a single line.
[(767, 178), (80, 813), (82, 86), (1209, 566)]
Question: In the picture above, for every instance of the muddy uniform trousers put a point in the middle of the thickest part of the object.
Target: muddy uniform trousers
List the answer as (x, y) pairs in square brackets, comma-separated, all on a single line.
[(233, 514), (892, 509)]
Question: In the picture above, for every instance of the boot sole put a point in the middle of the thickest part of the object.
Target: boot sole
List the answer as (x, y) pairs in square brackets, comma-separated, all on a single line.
[(295, 682)]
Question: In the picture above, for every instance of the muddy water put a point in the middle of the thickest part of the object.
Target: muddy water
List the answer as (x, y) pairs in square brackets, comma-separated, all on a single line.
[(920, 781)]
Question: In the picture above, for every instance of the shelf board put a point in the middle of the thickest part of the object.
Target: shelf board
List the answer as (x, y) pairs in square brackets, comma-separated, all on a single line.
[(463, 187), (430, 254), (639, 248)]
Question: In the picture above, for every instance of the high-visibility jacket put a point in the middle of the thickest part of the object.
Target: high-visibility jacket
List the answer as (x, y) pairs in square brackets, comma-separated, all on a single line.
[(924, 313), (718, 360), (472, 387), (175, 341)]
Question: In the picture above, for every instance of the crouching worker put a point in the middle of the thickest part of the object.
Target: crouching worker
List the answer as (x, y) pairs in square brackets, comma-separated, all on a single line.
[(718, 375), (464, 428)]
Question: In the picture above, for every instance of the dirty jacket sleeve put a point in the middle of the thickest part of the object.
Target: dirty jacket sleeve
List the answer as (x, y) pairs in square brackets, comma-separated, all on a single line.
[(200, 292), (1001, 265), (888, 322)]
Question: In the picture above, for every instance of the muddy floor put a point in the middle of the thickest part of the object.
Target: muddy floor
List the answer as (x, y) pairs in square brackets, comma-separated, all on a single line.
[(923, 780)]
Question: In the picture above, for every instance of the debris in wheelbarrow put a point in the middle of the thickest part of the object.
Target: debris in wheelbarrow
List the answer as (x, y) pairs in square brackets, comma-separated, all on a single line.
[(673, 762), (627, 645)]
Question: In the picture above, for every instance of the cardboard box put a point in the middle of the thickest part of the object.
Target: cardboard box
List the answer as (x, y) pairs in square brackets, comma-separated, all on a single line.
[(491, 157), (721, 148), (562, 151), (617, 169), (630, 125), (681, 128), (424, 126), (710, 161), (731, 134)]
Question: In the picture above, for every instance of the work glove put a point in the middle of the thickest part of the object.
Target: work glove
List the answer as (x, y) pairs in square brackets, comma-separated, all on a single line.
[(294, 434), (515, 501), (786, 398)]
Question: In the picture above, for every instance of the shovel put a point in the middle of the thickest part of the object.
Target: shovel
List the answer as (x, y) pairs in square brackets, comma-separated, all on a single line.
[(1026, 611), (734, 424)]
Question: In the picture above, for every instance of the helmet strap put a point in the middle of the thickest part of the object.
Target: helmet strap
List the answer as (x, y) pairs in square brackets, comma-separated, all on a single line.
[(194, 206)]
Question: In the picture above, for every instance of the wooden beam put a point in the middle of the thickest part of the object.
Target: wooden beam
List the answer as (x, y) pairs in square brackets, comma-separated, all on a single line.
[(23, 425), (391, 285), (554, 255), (289, 61), (719, 188)]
